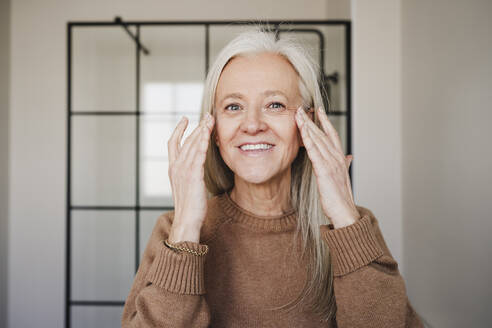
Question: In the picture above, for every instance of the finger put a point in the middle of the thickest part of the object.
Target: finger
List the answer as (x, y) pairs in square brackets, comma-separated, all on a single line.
[(326, 148), (201, 130), (190, 141), (306, 120), (208, 128), (348, 160), (209, 121), (321, 140), (298, 115), (192, 134), (312, 150), (328, 157), (298, 119), (329, 129), (199, 152), (174, 141)]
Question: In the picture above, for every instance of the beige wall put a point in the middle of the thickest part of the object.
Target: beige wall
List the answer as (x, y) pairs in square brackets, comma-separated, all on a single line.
[(447, 112), (4, 152), (377, 115)]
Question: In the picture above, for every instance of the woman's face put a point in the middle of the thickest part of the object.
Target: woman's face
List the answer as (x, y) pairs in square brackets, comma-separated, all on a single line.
[(246, 85)]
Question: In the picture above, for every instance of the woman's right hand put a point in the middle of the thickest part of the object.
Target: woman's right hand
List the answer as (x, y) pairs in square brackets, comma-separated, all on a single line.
[(186, 173)]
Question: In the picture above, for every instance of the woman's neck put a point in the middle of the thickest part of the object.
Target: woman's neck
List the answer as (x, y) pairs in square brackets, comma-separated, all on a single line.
[(267, 199)]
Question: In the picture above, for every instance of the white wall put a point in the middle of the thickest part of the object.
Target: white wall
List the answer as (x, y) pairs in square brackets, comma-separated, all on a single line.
[(377, 115), (447, 112), (4, 152), (38, 130)]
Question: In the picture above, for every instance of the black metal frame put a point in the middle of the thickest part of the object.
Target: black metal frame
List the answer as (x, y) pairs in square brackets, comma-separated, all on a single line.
[(141, 48)]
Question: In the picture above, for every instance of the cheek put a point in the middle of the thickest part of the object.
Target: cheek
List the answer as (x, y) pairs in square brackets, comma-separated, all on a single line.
[(223, 131), (291, 134)]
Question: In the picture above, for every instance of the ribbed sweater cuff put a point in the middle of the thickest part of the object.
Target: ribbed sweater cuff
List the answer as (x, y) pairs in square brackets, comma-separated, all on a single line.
[(179, 272), (352, 246)]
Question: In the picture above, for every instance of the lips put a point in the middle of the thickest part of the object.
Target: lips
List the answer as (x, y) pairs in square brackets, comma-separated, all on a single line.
[(262, 147), (249, 150), (256, 143)]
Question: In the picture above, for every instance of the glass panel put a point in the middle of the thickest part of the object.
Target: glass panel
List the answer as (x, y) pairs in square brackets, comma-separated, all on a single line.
[(172, 75), (96, 316), (155, 187), (103, 69), (103, 255), (330, 38), (148, 220), (171, 86), (103, 160)]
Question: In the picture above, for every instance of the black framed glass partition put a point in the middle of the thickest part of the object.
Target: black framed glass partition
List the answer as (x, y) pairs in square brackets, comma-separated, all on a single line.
[(128, 84)]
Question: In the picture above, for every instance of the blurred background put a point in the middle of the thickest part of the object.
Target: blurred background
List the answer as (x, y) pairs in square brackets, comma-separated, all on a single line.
[(87, 105)]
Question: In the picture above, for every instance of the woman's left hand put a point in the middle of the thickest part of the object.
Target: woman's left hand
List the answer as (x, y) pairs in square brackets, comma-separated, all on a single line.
[(330, 165)]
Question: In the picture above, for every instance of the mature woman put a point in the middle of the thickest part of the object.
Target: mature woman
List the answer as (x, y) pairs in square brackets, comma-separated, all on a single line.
[(265, 232)]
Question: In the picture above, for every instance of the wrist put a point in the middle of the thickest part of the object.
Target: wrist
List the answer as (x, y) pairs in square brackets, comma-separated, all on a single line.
[(346, 220), (183, 232)]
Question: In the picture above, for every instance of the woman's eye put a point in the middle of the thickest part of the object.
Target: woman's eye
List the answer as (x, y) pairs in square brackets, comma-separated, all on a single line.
[(277, 105), (235, 106)]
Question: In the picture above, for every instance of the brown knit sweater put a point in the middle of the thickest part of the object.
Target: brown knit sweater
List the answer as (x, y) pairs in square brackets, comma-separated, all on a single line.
[(252, 265)]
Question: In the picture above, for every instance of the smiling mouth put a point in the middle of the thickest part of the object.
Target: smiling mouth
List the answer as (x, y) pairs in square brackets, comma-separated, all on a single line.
[(253, 147), (256, 150)]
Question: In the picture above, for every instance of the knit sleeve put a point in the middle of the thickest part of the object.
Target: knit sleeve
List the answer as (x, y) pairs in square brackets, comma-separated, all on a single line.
[(369, 290), (168, 289)]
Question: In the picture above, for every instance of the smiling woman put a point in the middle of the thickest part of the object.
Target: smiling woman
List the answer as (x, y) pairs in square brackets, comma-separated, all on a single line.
[(265, 231), (246, 85)]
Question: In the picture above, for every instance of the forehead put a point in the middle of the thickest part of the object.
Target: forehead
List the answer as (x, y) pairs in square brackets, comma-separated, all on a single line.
[(253, 75)]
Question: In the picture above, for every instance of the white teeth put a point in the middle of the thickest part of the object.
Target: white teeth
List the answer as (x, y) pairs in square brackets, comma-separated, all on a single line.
[(258, 146)]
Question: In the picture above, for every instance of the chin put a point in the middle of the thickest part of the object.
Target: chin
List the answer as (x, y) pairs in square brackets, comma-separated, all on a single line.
[(256, 175)]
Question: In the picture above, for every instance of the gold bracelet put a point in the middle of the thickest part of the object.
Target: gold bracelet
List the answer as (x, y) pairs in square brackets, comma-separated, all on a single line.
[(186, 249)]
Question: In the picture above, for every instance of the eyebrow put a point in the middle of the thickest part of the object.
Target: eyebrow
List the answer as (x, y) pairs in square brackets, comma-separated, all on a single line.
[(265, 93)]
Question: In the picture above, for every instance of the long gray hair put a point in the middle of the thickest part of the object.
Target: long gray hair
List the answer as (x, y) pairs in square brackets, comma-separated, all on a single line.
[(318, 289)]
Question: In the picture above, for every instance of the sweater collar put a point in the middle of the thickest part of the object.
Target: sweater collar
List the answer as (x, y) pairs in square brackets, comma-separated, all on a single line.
[(283, 222)]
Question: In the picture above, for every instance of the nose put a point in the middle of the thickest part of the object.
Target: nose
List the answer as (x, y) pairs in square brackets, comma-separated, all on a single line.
[(253, 121)]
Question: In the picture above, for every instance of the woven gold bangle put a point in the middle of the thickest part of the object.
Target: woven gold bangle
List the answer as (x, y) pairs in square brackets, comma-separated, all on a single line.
[(186, 249)]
